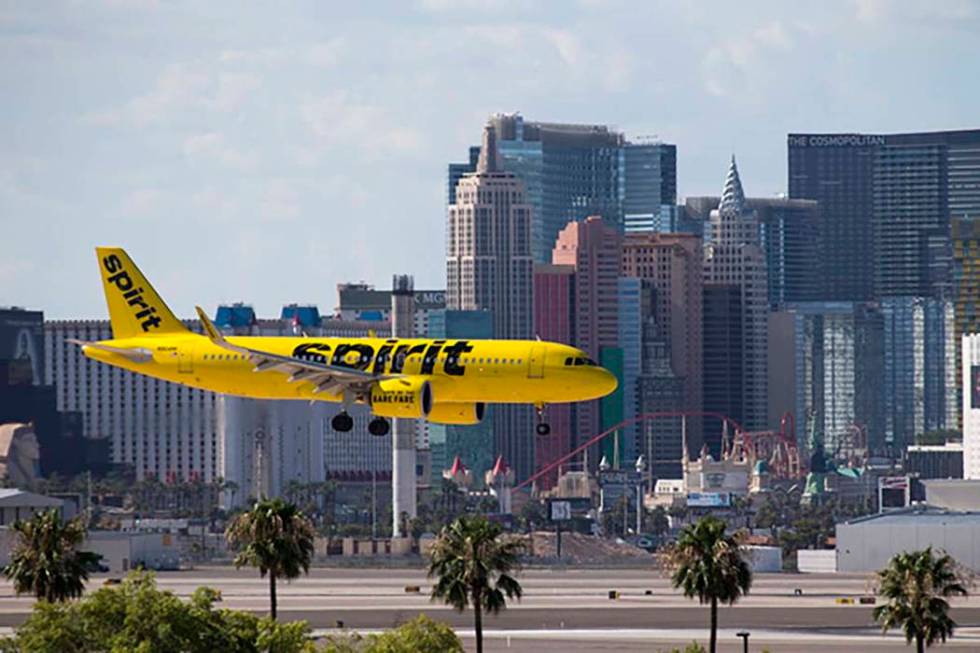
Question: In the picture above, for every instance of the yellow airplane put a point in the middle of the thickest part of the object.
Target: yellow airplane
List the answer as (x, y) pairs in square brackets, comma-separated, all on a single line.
[(444, 381)]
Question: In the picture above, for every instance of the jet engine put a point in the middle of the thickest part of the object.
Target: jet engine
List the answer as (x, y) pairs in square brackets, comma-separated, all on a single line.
[(457, 413), (406, 397)]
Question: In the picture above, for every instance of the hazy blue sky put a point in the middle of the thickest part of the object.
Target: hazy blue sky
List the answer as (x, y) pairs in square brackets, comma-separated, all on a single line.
[(265, 151)]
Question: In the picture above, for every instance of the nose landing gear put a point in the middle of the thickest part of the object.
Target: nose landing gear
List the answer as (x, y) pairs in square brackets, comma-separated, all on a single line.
[(542, 427)]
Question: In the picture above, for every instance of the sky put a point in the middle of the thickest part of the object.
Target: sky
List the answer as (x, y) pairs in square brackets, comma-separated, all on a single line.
[(266, 151)]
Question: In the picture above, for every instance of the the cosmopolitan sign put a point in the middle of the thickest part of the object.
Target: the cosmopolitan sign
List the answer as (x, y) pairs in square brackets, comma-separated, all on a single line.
[(834, 140)]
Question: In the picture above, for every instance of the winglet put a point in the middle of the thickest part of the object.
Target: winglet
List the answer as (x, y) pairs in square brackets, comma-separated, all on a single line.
[(209, 329)]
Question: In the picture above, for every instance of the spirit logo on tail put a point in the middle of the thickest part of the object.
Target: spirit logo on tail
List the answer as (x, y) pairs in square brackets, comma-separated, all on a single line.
[(120, 278)]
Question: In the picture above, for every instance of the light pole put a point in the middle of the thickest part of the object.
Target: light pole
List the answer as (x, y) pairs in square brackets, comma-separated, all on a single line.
[(641, 465), (744, 634)]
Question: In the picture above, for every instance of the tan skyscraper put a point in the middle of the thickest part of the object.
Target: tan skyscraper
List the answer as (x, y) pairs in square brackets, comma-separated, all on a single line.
[(489, 267), (734, 259), (671, 266)]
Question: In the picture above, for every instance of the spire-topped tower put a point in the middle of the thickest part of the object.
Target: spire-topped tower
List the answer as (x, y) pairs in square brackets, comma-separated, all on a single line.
[(736, 289), (732, 195), (488, 151)]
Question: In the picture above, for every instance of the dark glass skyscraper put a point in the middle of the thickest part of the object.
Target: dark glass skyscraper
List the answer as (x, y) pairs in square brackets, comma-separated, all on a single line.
[(885, 204)]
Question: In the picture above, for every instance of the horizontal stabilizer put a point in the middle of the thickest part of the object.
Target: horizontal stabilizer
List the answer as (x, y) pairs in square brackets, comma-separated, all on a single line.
[(137, 354)]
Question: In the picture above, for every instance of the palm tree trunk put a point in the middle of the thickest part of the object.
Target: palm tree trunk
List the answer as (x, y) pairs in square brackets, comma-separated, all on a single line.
[(272, 595), (713, 642), (920, 644), (478, 626)]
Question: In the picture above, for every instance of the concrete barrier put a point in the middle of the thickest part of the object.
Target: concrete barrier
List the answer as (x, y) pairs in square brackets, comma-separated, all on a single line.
[(816, 561)]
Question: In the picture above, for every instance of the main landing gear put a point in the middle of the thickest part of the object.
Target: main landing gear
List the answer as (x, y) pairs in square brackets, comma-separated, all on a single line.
[(542, 427), (342, 422), (379, 426)]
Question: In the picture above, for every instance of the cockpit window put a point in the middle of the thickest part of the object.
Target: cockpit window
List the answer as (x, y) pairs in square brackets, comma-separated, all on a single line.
[(579, 361), (568, 361)]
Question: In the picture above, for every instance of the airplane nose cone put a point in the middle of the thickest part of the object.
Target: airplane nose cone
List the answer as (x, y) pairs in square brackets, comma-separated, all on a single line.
[(605, 381)]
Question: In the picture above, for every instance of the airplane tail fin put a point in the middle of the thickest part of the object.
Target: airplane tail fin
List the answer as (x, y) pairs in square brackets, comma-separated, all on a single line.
[(135, 308)]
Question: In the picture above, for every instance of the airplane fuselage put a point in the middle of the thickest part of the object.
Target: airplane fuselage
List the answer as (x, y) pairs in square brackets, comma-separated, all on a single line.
[(468, 370)]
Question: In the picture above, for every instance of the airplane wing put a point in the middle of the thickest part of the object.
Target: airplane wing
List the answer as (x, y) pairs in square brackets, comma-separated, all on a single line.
[(325, 378)]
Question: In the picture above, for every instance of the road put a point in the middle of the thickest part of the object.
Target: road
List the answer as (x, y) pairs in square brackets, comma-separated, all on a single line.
[(568, 609)]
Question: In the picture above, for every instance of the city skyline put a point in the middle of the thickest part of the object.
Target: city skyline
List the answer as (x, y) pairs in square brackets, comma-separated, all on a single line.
[(257, 144)]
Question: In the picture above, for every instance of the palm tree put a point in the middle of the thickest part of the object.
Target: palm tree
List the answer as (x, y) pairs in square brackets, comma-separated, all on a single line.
[(707, 563), (473, 566), (916, 586), (277, 538), (46, 561)]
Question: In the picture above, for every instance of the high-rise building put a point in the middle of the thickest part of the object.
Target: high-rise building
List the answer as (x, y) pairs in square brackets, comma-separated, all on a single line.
[(361, 302), (489, 267), (159, 429), (789, 236), (554, 320), (630, 297), (723, 361), (593, 248), (831, 355), (735, 257), (966, 282), (919, 387), (660, 390), (473, 445), (970, 346), (573, 171), (459, 170), (649, 187), (670, 266), (885, 205)]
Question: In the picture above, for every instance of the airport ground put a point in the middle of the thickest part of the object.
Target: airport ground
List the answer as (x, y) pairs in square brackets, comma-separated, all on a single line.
[(569, 609)]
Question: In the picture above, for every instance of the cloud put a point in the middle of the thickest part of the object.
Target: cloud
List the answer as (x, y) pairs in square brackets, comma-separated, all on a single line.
[(326, 54), (214, 147), (140, 202), (179, 91), (915, 14), (482, 6), (14, 270), (728, 67), (320, 54), (280, 200), (340, 120)]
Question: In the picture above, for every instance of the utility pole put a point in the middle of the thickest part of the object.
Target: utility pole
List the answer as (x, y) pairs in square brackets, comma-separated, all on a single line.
[(374, 503)]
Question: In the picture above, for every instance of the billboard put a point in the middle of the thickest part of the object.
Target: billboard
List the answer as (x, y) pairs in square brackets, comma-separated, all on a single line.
[(22, 339), (709, 499)]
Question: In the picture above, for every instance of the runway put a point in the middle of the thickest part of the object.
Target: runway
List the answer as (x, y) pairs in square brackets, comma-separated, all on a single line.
[(566, 609)]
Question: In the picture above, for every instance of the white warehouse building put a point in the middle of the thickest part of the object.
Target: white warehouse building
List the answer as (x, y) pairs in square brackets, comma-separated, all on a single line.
[(868, 543)]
